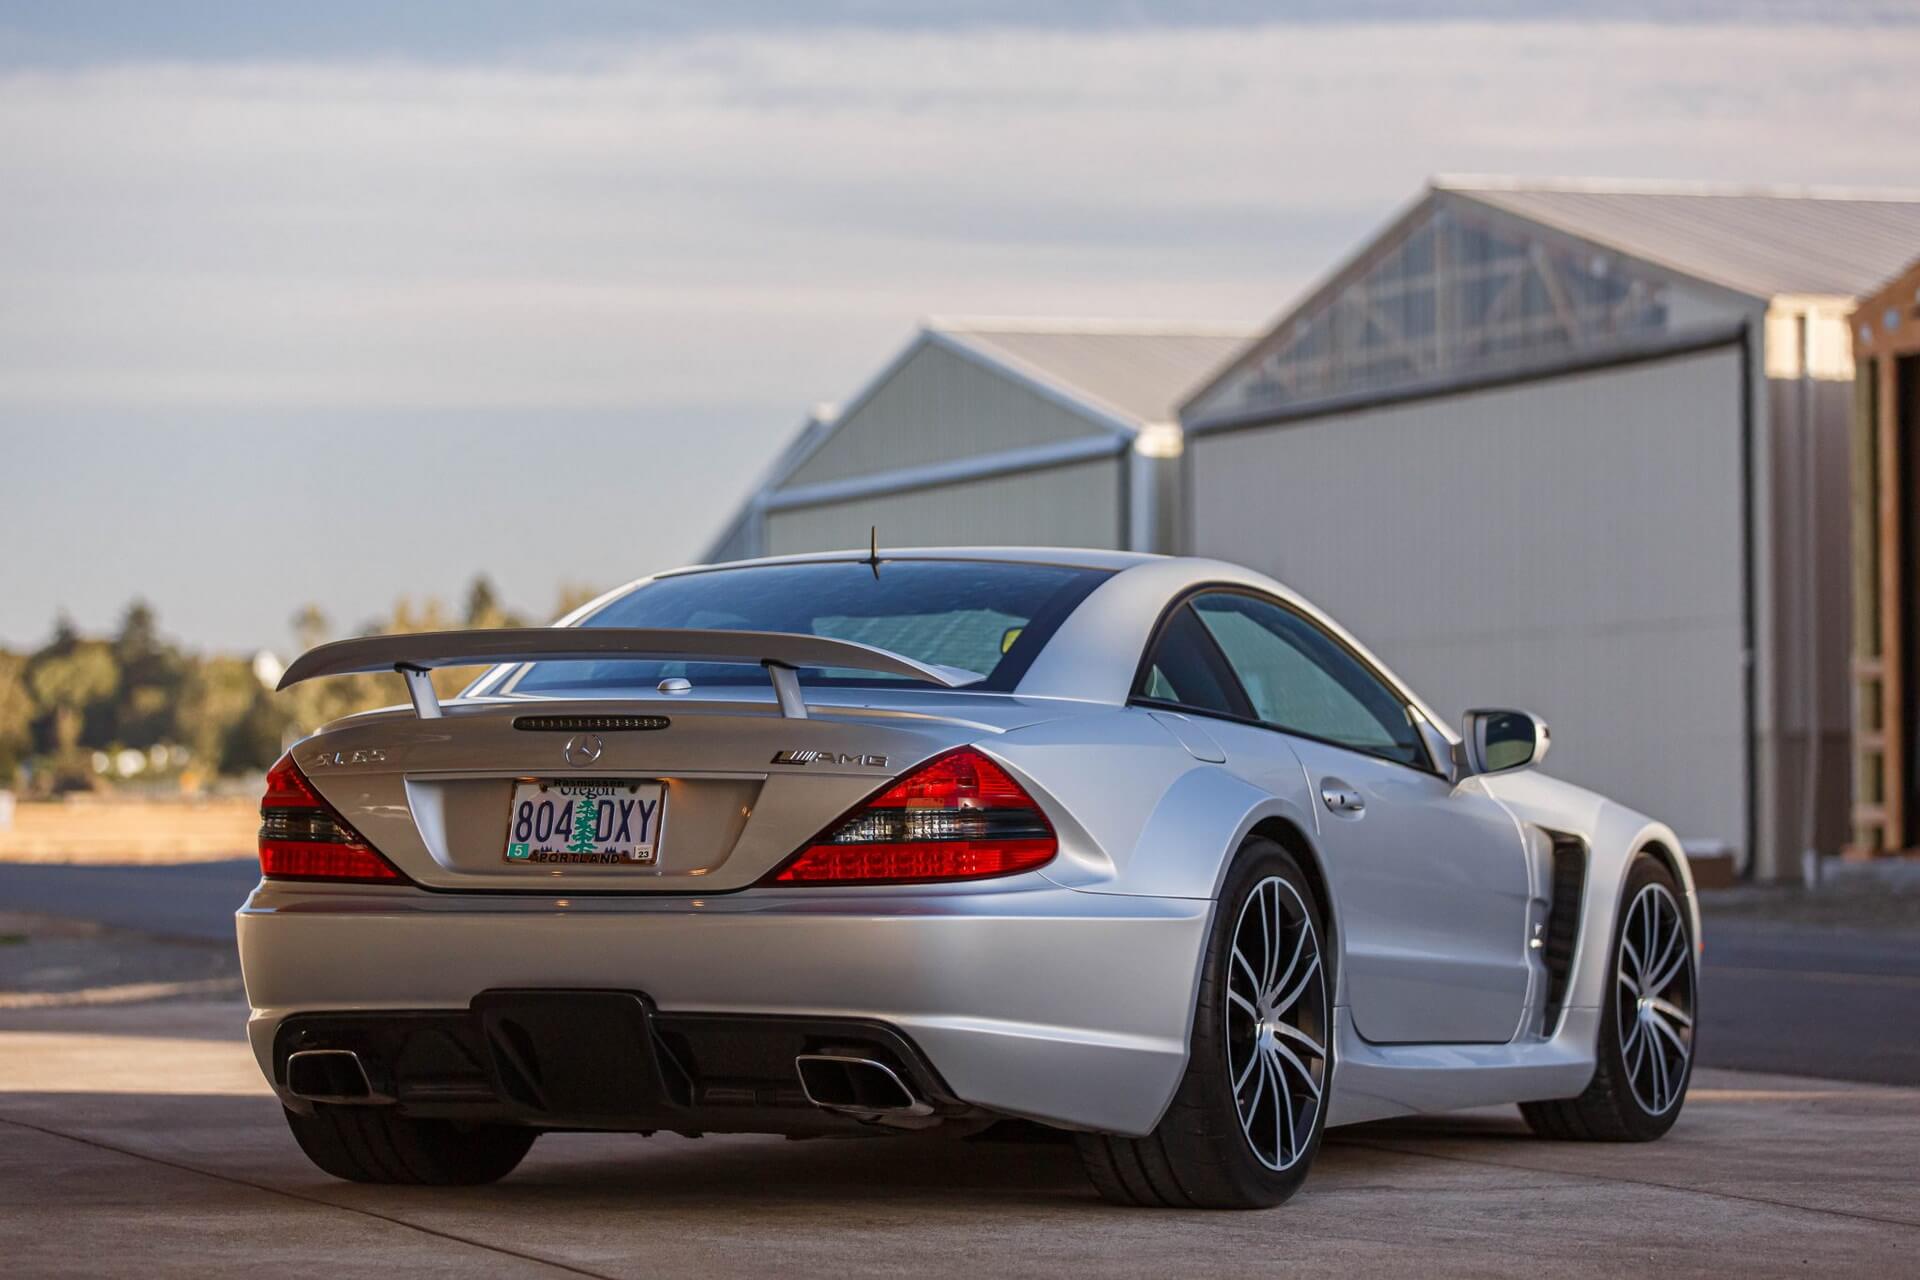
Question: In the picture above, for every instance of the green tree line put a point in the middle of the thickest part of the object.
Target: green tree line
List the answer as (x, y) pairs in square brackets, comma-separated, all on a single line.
[(153, 709)]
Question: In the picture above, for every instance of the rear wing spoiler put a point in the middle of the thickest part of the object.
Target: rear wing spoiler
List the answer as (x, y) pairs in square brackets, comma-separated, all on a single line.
[(782, 653)]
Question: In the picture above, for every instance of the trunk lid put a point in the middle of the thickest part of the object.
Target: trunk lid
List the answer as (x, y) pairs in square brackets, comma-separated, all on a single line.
[(435, 796)]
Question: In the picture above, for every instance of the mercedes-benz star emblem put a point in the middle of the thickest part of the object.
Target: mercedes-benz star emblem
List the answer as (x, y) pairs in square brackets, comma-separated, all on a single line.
[(583, 749)]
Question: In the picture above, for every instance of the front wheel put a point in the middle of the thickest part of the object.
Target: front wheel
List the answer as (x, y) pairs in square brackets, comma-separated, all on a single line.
[(1644, 1057), (1245, 1122)]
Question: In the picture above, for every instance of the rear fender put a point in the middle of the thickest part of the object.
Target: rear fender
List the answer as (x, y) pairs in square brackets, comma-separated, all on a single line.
[(1156, 822)]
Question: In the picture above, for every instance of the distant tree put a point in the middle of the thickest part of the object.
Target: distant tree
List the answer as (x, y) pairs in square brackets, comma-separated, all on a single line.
[(485, 609), (483, 603), (66, 638), (139, 636), (409, 615), (70, 684), (572, 595), (152, 673), (218, 694), (310, 627), (254, 740), (16, 715)]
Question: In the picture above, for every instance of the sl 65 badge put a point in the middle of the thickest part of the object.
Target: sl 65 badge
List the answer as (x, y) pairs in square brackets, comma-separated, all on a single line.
[(828, 757), (360, 755)]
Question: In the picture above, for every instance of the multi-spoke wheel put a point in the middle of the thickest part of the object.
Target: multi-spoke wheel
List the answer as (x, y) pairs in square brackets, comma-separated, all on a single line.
[(1644, 1053), (1655, 1009), (1246, 1119), (1276, 1023)]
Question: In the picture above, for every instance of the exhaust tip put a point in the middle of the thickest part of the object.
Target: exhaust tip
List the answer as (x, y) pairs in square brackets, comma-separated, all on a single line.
[(329, 1075), (857, 1086)]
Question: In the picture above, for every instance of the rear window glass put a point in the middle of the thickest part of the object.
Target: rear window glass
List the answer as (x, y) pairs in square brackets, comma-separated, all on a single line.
[(988, 617)]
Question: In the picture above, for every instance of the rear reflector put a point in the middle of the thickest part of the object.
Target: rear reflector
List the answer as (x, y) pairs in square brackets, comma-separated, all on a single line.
[(957, 817), (302, 838)]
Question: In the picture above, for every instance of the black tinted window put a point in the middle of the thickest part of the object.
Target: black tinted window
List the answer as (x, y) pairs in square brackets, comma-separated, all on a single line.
[(988, 617), (1300, 678), (1186, 668)]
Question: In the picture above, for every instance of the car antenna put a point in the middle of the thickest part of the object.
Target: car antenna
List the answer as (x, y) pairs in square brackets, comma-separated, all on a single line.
[(873, 551)]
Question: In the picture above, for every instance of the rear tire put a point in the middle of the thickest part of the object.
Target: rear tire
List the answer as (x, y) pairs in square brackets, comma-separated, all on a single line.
[(1262, 1022), (375, 1144), (1651, 1006)]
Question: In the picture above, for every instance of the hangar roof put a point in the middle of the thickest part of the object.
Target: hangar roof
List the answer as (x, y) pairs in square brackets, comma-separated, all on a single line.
[(1137, 372), (1762, 241), (1486, 277)]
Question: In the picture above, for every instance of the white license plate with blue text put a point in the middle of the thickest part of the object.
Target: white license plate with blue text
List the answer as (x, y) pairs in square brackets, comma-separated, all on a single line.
[(599, 821)]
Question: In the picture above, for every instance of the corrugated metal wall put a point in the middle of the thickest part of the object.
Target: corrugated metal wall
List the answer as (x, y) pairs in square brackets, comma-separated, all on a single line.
[(1572, 546), (1071, 506), (1812, 631), (938, 407)]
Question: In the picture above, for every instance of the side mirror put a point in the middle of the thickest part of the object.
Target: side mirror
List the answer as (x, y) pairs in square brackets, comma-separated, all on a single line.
[(1502, 741)]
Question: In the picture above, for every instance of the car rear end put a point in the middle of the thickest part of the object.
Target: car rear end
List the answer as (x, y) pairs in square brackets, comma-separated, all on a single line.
[(637, 895)]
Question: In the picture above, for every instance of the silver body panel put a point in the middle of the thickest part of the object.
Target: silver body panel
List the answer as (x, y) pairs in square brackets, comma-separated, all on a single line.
[(1063, 995)]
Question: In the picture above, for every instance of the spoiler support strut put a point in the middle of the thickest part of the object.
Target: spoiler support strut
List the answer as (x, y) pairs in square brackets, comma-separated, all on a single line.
[(426, 701), (786, 687)]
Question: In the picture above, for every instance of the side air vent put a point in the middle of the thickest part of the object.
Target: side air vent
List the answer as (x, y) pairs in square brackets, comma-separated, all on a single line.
[(590, 724), (1563, 924)]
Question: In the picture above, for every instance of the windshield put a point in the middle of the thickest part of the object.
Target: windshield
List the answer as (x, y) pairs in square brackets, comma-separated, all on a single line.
[(988, 617)]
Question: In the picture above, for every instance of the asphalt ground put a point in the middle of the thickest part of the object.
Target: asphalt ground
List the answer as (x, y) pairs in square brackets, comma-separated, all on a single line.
[(183, 900)]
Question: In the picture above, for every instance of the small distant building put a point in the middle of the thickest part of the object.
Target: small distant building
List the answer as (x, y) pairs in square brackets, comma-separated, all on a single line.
[(1886, 568), (994, 432), (1584, 448)]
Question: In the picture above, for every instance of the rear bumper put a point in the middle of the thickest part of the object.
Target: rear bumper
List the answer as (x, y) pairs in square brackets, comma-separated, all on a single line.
[(598, 1060), (1026, 1000)]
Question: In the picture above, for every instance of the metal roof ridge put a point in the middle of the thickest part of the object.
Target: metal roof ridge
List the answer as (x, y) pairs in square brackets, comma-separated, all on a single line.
[(1085, 326), (1496, 183), (1101, 411)]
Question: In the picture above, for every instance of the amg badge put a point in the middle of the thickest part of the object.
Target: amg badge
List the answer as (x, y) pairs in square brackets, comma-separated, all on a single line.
[(828, 757)]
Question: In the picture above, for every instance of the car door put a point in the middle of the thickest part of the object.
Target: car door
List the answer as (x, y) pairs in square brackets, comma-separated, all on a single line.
[(1430, 878)]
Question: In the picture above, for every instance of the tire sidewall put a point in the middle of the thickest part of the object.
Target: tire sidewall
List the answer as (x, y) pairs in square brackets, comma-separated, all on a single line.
[(1258, 859), (1642, 1124)]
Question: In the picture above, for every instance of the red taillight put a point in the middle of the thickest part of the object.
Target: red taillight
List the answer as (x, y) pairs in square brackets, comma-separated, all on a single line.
[(957, 817), (302, 838)]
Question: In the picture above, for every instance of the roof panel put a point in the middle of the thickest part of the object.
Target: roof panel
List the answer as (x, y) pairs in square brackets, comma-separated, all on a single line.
[(1137, 373), (1762, 242), (1653, 239)]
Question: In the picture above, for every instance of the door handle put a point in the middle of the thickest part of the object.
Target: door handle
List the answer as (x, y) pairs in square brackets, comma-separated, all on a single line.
[(1341, 798)]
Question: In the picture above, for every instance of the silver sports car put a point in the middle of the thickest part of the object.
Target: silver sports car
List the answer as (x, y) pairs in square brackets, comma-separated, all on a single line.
[(1145, 850)]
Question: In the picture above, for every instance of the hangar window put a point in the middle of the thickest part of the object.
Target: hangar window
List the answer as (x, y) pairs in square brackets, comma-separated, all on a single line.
[(1457, 293)]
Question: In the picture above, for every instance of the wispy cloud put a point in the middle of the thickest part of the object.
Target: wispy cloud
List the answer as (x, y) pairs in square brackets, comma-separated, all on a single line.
[(345, 284), (762, 215)]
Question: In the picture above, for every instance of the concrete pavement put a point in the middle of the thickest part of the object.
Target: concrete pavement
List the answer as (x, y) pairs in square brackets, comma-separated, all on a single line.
[(141, 1139)]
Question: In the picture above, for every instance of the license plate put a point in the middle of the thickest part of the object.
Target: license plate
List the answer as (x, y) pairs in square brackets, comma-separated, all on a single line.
[(603, 822)]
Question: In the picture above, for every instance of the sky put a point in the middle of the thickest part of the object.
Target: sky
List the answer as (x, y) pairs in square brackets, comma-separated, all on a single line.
[(340, 303)]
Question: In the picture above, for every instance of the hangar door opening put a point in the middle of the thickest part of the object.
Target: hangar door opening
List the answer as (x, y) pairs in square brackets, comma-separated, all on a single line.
[(1572, 545)]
